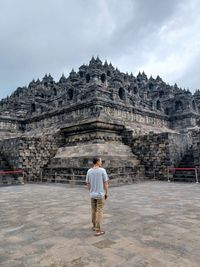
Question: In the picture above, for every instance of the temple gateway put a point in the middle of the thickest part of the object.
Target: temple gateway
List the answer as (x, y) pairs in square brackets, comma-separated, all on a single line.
[(138, 125)]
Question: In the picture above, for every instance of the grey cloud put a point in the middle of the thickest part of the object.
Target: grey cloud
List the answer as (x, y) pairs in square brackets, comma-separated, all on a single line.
[(145, 17), (37, 37), (190, 78)]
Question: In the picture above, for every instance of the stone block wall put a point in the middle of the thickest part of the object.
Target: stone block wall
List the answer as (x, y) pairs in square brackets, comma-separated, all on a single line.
[(6, 178), (153, 151), (196, 146), (31, 153), (157, 151), (179, 144), (82, 143), (10, 149), (35, 153)]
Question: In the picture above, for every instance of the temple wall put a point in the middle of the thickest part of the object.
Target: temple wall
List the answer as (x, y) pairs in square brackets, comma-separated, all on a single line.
[(196, 146), (182, 122), (157, 151), (8, 125), (30, 153), (141, 120), (179, 143), (9, 128), (112, 114), (10, 149), (133, 116)]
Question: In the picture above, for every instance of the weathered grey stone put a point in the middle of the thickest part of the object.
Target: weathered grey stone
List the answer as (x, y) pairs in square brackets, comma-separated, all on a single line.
[(139, 126)]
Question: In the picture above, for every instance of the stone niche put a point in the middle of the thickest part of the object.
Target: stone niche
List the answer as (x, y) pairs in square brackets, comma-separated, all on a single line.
[(85, 141)]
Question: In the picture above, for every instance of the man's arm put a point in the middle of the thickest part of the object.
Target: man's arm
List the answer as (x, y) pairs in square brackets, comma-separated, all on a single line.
[(105, 183), (87, 181), (106, 189)]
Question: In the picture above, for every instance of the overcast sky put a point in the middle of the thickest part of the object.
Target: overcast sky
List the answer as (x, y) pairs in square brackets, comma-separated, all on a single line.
[(54, 36)]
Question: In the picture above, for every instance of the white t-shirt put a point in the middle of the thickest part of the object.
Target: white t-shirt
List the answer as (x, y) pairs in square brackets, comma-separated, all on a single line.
[(96, 177)]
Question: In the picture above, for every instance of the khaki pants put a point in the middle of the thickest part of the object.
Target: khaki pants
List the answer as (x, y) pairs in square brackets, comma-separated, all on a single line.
[(97, 212)]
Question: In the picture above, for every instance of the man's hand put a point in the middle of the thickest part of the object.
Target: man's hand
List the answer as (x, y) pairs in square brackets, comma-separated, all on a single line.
[(88, 185)]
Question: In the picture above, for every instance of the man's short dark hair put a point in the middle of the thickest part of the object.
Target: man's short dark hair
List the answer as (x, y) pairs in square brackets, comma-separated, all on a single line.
[(95, 160)]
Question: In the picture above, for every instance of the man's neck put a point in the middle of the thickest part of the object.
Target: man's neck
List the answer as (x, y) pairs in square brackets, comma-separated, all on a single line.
[(96, 166)]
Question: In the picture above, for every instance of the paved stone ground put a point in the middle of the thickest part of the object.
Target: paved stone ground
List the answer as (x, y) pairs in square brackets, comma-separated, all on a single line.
[(147, 224)]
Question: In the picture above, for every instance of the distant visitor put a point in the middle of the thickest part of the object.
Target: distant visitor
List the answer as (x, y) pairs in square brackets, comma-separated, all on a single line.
[(97, 181)]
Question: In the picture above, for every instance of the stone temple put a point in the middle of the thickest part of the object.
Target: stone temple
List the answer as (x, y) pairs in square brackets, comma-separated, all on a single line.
[(138, 125)]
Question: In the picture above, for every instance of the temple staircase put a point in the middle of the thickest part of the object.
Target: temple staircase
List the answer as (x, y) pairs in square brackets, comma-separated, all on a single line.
[(185, 175), (6, 179)]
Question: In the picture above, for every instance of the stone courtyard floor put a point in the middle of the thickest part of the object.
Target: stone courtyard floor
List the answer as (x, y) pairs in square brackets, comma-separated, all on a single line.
[(147, 224)]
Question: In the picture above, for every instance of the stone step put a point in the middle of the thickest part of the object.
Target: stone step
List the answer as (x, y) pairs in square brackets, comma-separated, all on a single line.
[(81, 180), (8, 180), (189, 165), (185, 177), (182, 163), (185, 174), (84, 150), (183, 180), (187, 159), (57, 164), (78, 175), (186, 162)]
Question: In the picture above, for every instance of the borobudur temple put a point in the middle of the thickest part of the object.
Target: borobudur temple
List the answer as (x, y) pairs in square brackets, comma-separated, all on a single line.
[(137, 125)]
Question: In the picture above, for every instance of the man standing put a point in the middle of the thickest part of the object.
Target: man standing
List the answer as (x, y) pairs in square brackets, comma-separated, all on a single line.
[(97, 181)]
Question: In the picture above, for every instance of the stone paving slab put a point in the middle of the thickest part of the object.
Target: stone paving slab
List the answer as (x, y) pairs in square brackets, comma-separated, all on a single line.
[(147, 224)]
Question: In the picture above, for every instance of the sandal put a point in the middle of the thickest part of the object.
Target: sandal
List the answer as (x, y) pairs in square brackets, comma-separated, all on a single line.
[(98, 233), (93, 228)]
